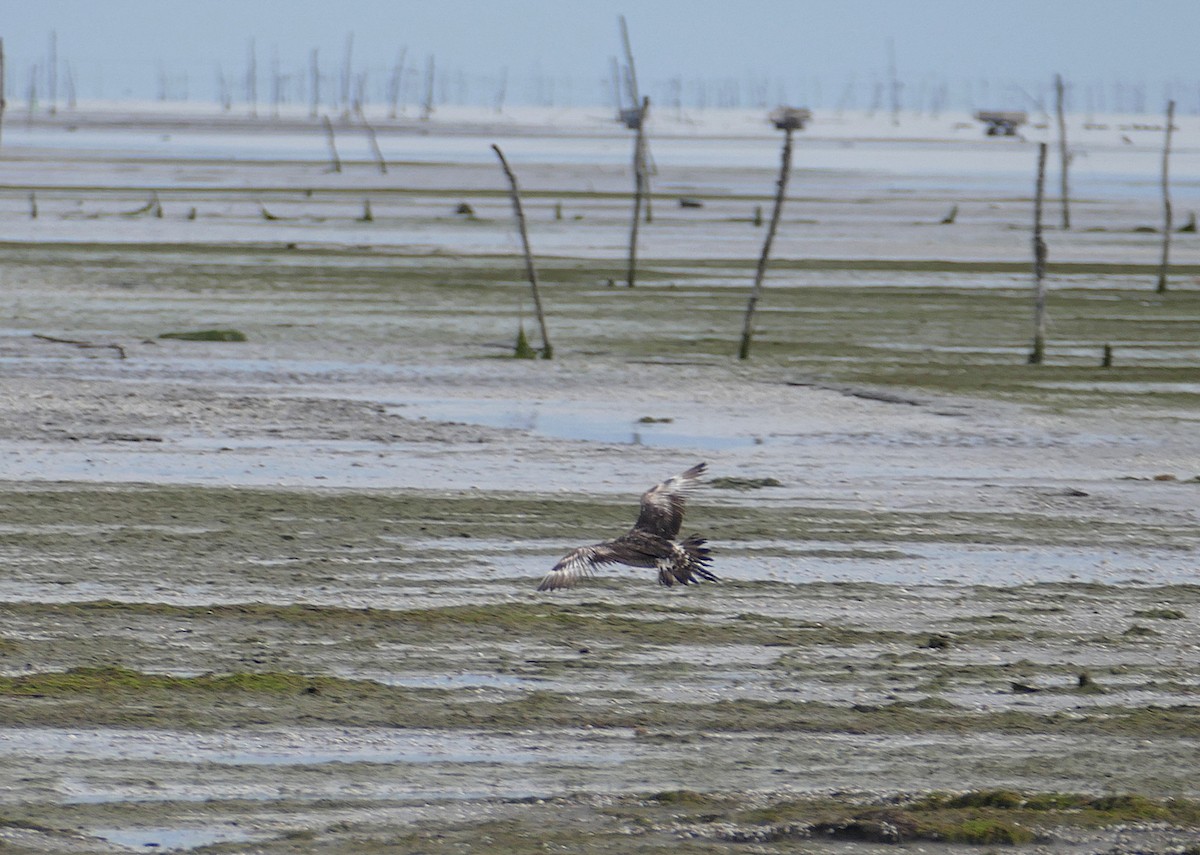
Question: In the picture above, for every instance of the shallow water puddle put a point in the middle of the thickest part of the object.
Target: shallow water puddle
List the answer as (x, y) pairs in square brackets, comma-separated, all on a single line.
[(572, 422), (168, 839), (312, 746)]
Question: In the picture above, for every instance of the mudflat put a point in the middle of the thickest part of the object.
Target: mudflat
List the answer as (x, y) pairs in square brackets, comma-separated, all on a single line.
[(274, 592)]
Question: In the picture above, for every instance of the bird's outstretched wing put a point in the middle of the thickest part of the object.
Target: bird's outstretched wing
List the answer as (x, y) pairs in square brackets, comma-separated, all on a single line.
[(662, 504), (579, 563)]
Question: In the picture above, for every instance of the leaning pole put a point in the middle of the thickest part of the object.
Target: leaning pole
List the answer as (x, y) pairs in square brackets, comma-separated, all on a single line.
[(785, 168)]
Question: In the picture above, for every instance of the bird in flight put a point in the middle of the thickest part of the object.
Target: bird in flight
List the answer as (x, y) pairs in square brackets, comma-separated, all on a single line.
[(652, 542)]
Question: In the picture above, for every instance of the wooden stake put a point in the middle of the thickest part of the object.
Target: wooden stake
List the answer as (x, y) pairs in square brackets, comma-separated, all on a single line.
[(639, 190), (345, 81), (630, 71), (893, 81), (314, 84), (1064, 156), (52, 73), (252, 80), (785, 168), (396, 84), (375, 146), (635, 98), (530, 269), (1039, 265), (3, 103), (427, 105), (1166, 193), (335, 162)]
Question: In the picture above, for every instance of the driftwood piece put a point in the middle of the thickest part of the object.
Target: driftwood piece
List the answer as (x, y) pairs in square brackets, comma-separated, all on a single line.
[(785, 168), (152, 206), (530, 268), (84, 344)]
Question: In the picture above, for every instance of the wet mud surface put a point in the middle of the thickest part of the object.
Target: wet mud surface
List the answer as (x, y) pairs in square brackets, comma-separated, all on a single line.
[(278, 595)]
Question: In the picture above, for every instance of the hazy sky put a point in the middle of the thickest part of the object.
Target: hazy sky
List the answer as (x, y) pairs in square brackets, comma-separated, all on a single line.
[(815, 51)]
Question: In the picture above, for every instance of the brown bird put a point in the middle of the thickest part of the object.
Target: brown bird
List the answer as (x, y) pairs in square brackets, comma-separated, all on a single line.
[(650, 543)]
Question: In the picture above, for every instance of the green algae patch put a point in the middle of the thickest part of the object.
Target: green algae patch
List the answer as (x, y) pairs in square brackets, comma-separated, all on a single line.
[(206, 335), (684, 798), (1160, 614), (982, 817), (115, 680)]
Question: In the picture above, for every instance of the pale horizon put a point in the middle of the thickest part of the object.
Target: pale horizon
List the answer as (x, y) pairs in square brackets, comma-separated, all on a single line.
[(1117, 56)]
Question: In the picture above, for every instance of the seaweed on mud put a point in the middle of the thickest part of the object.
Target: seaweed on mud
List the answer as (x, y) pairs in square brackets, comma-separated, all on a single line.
[(206, 335), (1160, 614), (996, 817)]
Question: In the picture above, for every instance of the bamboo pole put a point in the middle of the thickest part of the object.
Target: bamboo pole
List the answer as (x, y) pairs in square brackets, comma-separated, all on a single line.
[(1039, 265), (1064, 156), (639, 190), (1166, 193), (530, 269), (785, 167)]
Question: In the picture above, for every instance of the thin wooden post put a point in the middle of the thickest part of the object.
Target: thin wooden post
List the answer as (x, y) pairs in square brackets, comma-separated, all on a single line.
[(335, 162), (1064, 156), (630, 70), (1039, 265), (427, 104), (639, 189), (3, 103), (375, 146), (52, 73), (252, 80), (530, 269), (396, 84), (636, 99), (345, 80), (314, 84), (893, 81), (1166, 193), (785, 168)]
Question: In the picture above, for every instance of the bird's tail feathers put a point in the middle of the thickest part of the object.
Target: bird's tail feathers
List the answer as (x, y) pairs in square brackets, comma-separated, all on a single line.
[(689, 565)]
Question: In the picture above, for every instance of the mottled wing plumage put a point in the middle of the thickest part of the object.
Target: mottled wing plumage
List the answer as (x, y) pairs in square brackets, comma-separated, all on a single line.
[(662, 504), (584, 561), (650, 543)]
